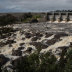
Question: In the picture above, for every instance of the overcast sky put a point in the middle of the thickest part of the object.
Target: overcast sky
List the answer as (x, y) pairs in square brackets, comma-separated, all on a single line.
[(34, 5)]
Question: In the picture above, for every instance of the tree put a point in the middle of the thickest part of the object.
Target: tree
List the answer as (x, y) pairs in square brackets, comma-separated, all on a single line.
[(48, 63), (36, 63), (68, 65), (26, 16), (7, 19)]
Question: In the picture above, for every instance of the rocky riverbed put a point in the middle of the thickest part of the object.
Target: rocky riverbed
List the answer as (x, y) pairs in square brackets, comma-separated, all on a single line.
[(24, 39)]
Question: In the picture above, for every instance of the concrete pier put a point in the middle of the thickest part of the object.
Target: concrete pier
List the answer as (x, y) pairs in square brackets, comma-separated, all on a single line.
[(59, 17)]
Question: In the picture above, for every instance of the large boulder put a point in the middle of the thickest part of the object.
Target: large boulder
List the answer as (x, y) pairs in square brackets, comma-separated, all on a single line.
[(39, 46), (10, 42), (16, 53), (58, 35), (22, 44), (34, 38), (51, 42), (70, 44), (28, 35), (29, 49), (3, 60), (38, 34), (20, 48), (48, 35)]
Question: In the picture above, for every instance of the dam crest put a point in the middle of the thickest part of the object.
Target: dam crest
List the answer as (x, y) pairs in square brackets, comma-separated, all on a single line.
[(59, 17)]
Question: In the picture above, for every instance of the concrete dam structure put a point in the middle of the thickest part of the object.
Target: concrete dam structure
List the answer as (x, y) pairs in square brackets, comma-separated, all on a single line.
[(59, 17)]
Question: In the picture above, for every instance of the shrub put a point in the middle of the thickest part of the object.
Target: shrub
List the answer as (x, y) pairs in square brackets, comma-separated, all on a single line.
[(34, 21), (35, 63), (26, 16), (7, 19)]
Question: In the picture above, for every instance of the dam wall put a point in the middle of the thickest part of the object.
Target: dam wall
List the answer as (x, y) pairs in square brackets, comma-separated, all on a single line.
[(59, 17)]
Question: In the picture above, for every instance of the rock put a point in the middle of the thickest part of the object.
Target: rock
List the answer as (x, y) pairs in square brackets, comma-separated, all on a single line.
[(34, 38), (10, 41), (16, 53), (58, 35), (28, 35), (3, 60), (48, 35), (10, 45), (39, 45), (23, 38), (7, 69), (44, 41), (7, 42), (22, 44), (29, 49), (22, 32), (38, 34), (6, 32), (63, 48), (70, 44), (20, 48), (51, 42), (14, 35)]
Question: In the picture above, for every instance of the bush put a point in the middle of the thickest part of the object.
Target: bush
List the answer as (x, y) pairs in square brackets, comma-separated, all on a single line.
[(26, 16), (7, 19), (34, 21), (36, 63)]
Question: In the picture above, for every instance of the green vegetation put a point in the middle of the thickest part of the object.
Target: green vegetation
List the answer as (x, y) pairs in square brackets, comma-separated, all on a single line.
[(35, 63), (28, 17), (68, 65), (10, 19), (36, 16), (7, 19), (44, 62)]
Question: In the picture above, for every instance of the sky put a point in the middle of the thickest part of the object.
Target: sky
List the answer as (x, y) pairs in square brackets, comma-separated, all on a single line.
[(34, 5)]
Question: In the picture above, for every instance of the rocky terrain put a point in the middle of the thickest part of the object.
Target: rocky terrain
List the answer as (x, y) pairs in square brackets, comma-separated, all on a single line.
[(23, 39)]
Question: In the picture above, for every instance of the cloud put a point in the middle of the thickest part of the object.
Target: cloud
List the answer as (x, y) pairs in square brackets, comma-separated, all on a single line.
[(34, 5), (70, 1)]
